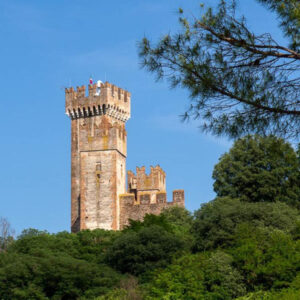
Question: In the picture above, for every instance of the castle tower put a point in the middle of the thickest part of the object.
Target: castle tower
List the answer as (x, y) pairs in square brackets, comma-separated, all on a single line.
[(98, 150)]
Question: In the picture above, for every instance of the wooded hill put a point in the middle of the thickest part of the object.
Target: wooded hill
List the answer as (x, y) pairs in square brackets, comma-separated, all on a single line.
[(245, 244)]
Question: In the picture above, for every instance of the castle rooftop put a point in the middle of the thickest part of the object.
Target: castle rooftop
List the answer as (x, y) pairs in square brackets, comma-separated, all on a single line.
[(101, 99)]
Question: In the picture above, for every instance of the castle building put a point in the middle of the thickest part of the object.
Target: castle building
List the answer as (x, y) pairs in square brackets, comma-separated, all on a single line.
[(99, 198)]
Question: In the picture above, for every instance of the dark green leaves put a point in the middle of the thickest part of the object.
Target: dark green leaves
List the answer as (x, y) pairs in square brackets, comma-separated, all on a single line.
[(259, 169), (216, 222), (139, 251), (62, 266)]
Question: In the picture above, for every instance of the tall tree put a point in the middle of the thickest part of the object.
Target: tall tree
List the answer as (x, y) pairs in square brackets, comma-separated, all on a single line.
[(259, 169), (239, 82)]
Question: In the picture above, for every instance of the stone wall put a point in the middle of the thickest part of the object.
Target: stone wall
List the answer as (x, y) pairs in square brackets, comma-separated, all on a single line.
[(136, 208)]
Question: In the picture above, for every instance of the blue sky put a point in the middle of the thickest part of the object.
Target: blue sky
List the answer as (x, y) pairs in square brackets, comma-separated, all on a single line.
[(48, 45)]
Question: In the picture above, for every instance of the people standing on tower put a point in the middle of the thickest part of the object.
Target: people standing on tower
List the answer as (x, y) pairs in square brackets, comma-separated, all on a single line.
[(98, 89)]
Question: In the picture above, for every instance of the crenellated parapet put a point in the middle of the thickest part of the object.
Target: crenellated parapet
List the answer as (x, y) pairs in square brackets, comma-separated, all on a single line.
[(136, 208), (144, 198), (146, 195), (156, 180), (102, 99)]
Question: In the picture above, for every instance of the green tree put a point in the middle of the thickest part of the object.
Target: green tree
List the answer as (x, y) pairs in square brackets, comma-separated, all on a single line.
[(181, 222), (201, 276), (44, 275), (239, 82), (138, 251), (149, 220), (286, 294), (259, 169), (267, 259), (30, 232), (178, 217), (128, 290), (93, 244), (40, 265), (216, 222)]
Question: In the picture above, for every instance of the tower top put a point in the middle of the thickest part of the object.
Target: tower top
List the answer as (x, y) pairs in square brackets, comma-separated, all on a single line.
[(156, 180), (102, 99)]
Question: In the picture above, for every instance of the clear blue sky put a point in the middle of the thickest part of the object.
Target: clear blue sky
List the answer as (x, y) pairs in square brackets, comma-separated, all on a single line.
[(47, 45)]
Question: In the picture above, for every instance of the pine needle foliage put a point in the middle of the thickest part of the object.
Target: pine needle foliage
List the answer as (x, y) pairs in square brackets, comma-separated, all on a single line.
[(239, 82)]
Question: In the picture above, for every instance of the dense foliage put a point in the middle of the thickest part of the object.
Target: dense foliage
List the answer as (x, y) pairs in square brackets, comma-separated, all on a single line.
[(259, 169), (199, 276), (149, 248), (62, 266), (245, 244), (216, 222)]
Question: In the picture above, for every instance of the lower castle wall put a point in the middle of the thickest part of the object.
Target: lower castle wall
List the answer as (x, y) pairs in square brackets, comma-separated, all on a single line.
[(136, 209)]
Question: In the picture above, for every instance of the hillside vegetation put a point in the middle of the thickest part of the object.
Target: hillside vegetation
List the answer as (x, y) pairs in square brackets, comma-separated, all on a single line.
[(244, 244)]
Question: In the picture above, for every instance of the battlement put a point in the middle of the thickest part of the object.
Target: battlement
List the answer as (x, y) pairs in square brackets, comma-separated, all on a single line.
[(156, 180), (136, 208), (144, 198), (102, 99)]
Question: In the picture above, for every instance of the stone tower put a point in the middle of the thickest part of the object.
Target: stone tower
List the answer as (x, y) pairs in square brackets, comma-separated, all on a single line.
[(98, 149)]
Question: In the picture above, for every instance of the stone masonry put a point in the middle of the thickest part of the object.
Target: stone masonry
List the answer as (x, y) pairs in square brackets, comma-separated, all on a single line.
[(98, 163)]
